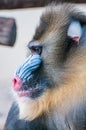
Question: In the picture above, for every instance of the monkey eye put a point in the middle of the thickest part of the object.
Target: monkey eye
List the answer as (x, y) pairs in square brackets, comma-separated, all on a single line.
[(36, 49)]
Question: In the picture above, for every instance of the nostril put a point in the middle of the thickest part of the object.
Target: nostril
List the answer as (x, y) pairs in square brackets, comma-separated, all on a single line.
[(17, 83), (36, 49), (14, 81)]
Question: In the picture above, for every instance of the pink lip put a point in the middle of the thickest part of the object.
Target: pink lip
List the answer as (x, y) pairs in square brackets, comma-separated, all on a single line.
[(24, 93)]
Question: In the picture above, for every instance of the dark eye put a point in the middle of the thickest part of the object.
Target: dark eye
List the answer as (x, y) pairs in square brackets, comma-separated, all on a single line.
[(36, 49)]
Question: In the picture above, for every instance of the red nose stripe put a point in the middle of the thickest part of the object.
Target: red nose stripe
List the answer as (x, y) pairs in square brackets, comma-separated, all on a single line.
[(17, 83)]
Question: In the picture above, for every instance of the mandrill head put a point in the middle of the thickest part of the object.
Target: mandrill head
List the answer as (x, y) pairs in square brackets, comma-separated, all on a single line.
[(57, 61)]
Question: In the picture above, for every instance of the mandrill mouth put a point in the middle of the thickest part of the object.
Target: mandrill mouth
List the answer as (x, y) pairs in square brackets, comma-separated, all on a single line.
[(24, 93), (28, 93), (32, 93)]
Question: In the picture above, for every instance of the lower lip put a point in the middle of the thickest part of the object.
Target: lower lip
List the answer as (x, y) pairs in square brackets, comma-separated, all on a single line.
[(24, 93)]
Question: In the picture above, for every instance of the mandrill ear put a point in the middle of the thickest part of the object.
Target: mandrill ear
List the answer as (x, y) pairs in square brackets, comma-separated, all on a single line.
[(75, 31)]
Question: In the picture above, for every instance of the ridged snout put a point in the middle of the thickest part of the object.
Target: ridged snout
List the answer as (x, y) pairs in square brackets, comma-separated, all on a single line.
[(25, 70)]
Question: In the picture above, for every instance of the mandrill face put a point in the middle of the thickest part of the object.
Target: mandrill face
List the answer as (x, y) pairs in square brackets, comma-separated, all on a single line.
[(55, 62), (43, 69)]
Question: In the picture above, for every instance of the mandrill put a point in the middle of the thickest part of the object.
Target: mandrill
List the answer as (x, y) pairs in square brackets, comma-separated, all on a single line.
[(50, 85)]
